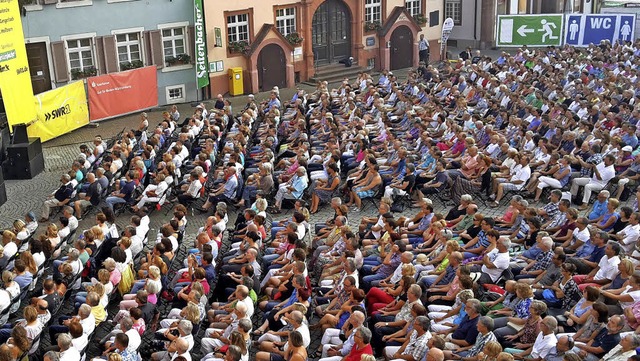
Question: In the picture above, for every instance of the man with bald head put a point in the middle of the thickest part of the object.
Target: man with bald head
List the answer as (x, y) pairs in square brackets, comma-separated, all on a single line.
[(225, 192), (216, 336), (333, 348)]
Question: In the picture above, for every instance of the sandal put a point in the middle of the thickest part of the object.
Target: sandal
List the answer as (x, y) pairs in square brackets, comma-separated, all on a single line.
[(317, 354)]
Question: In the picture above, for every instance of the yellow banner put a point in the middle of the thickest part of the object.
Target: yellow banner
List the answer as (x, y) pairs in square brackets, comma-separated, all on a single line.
[(60, 111), (15, 79)]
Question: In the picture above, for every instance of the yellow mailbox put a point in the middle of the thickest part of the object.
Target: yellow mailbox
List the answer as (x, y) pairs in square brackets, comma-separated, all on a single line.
[(236, 86)]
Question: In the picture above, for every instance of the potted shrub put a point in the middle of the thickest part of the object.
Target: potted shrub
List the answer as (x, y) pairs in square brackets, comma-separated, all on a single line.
[(90, 71), (77, 74), (170, 60), (125, 65), (372, 26), (420, 19), (183, 58), (294, 38), (238, 46)]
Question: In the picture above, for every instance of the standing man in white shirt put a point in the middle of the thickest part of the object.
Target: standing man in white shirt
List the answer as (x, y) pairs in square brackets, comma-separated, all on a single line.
[(602, 174), (423, 49)]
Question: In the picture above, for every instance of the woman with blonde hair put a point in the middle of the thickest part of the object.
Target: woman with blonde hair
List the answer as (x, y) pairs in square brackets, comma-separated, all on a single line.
[(28, 260), (154, 276), (52, 235), (10, 247), (98, 235), (20, 230), (490, 351)]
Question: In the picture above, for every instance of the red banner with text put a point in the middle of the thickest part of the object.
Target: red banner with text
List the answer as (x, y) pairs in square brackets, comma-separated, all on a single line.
[(115, 94)]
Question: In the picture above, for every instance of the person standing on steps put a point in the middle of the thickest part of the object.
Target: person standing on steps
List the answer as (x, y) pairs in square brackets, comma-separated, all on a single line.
[(423, 49)]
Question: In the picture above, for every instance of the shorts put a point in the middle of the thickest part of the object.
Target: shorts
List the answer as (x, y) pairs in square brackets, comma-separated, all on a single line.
[(510, 186), (276, 357), (364, 194)]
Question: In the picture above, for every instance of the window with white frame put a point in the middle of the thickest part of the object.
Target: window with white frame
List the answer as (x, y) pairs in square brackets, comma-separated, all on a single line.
[(173, 42), (238, 28), (414, 7), (128, 46), (286, 21), (175, 94), (373, 11), (80, 54), (453, 10)]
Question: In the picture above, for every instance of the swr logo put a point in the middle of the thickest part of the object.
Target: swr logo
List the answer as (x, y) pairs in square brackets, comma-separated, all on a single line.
[(65, 110)]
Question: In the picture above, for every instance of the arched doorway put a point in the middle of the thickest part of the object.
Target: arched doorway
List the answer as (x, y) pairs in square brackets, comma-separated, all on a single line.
[(331, 32), (272, 67), (401, 48)]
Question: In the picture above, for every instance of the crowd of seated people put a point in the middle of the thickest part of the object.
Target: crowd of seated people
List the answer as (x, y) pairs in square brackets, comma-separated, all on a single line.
[(548, 137)]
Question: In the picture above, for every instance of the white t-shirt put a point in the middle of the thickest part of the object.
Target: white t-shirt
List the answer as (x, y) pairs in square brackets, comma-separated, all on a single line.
[(523, 174), (500, 260), (543, 345), (631, 234), (10, 249), (606, 173), (608, 268)]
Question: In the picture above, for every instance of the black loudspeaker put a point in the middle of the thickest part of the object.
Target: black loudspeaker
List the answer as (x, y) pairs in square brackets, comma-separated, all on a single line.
[(20, 134), (3, 194), (25, 160)]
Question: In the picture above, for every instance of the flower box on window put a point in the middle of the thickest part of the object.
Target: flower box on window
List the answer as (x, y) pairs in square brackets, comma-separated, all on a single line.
[(294, 38), (372, 26), (180, 59), (126, 65), (420, 19), (238, 46), (83, 73)]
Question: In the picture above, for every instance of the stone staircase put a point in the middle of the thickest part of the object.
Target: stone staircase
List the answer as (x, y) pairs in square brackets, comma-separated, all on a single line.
[(334, 73)]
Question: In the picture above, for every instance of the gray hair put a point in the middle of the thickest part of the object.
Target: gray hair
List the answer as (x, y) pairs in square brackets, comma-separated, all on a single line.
[(235, 352), (466, 198), (336, 200), (52, 355), (505, 241), (73, 254), (605, 193), (84, 311), (635, 340), (475, 304), (152, 288), (487, 322), (524, 203), (245, 324), (547, 241), (365, 333), (351, 263), (126, 323), (358, 316), (185, 326), (550, 322), (342, 219), (64, 341), (446, 234), (297, 316), (424, 322)]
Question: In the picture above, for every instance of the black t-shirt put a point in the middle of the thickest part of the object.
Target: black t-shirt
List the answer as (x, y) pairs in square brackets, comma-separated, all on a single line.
[(411, 178), (219, 104), (455, 213), (94, 193)]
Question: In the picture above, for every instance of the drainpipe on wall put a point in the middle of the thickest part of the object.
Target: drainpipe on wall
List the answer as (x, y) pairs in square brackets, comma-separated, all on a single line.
[(475, 22)]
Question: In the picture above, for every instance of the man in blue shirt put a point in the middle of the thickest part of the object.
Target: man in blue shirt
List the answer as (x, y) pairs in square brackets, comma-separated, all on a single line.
[(125, 193), (225, 193), (588, 256), (293, 189)]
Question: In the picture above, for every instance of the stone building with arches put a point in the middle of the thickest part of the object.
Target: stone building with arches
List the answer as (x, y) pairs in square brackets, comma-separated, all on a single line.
[(279, 44)]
